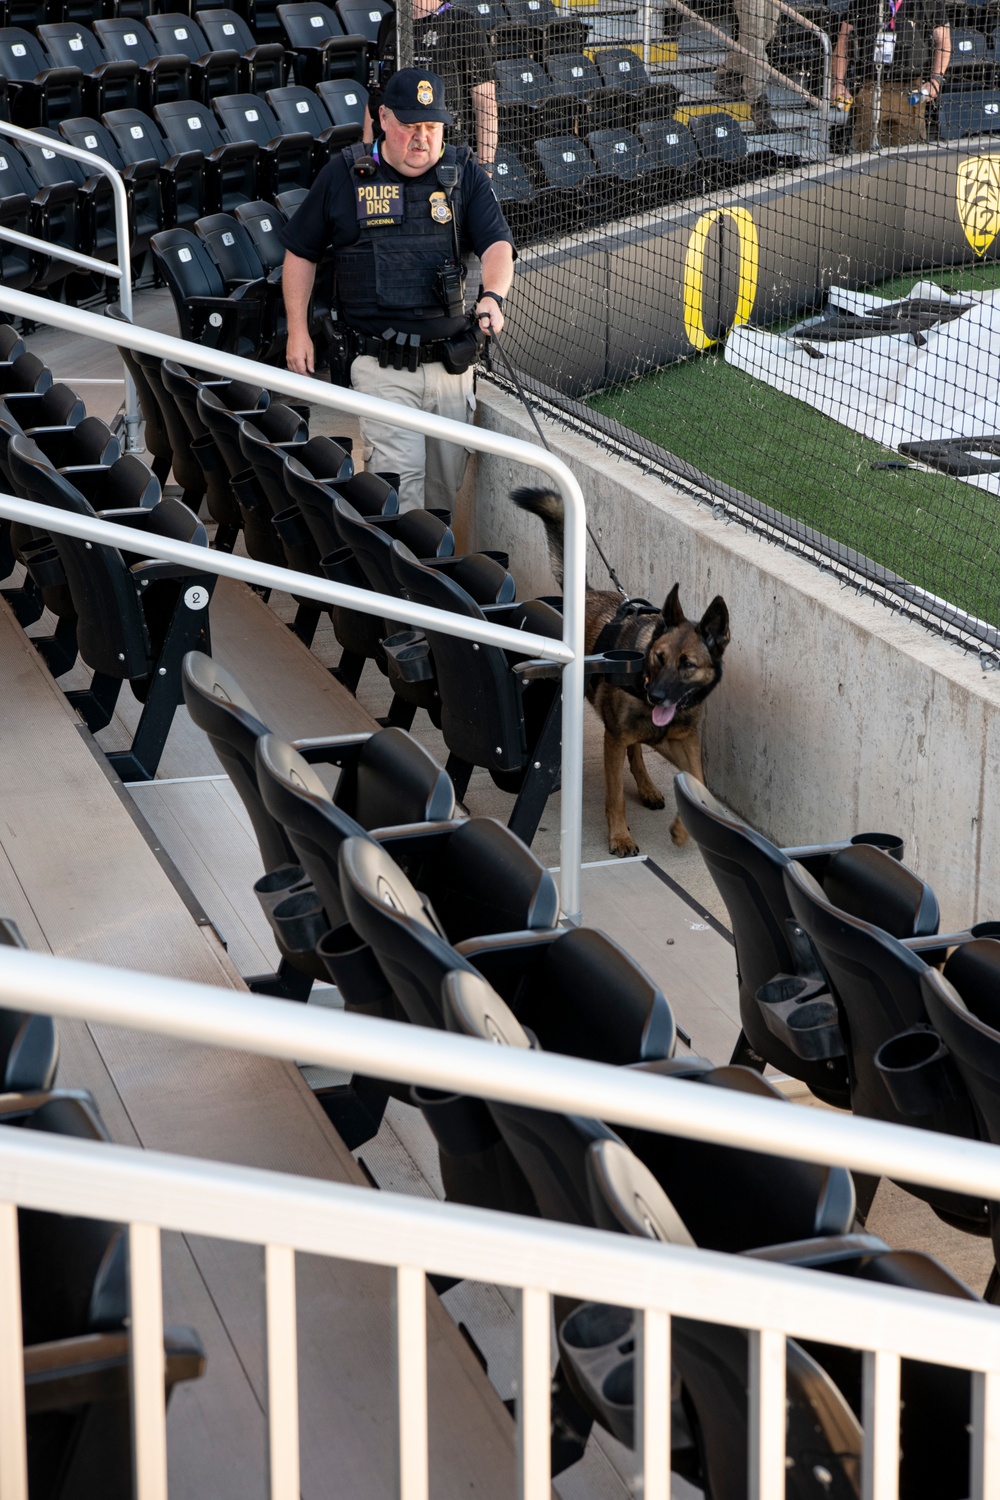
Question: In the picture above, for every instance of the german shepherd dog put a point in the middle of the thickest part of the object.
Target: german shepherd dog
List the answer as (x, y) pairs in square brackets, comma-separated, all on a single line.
[(682, 664)]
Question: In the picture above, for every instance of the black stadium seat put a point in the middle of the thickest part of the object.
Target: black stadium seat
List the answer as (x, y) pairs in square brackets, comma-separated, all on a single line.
[(671, 154), (721, 144), (161, 79), (75, 1318), (106, 85), (363, 17), (321, 48), (284, 160), (489, 716), (346, 102), (19, 266), (263, 65), (262, 221), (37, 92), (298, 108), (128, 630), (230, 165), (88, 217), (516, 194), (211, 73), (569, 174), (206, 313), (183, 192), (141, 178)]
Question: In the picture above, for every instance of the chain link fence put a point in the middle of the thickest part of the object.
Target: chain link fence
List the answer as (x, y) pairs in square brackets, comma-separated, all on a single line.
[(758, 248)]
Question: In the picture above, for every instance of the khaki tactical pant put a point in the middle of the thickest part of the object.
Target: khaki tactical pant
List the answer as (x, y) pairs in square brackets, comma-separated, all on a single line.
[(430, 472)]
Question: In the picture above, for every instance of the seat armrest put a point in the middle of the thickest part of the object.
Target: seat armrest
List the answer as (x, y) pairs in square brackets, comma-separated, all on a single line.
[(832, 1249), (423, 840), (135, 517), (69, 1373), (13, 1105), (334, 750), (158, 571), (816, 856), (190, 161), (233, 151), (504, 958)]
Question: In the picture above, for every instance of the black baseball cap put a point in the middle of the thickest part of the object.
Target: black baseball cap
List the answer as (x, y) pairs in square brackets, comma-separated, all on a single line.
[(416, 94)]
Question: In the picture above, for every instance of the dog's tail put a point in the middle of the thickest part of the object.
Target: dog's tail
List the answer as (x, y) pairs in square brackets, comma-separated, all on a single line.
[(549, 507)]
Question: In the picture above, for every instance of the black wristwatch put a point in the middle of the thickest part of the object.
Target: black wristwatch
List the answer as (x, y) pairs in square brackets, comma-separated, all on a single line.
[(496, 298)]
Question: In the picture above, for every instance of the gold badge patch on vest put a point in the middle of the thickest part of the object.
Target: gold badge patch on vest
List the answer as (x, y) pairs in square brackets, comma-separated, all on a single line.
[(425, 93), (440, 212), (379, 203)]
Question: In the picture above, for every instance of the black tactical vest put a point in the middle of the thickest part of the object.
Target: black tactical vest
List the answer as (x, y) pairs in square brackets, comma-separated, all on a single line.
[(391, 268)]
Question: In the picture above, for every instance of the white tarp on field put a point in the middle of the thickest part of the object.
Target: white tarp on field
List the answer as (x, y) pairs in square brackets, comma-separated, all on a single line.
[(893, 388)]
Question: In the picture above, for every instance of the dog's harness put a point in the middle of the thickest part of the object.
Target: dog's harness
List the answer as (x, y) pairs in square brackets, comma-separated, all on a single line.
[(628, 609)]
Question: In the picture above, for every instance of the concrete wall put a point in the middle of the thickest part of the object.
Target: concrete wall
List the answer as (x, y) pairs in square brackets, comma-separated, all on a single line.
[(834, 714)]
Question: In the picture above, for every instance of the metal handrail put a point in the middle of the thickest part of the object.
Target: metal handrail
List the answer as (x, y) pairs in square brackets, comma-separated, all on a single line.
[(455, 1064), (268, 576), (151, 1192), (287, 1214), (122, 271), (305, 388)]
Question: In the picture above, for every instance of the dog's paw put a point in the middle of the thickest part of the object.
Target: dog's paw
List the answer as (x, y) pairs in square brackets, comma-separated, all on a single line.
[(653, 799), (623, 846), (678, 832)]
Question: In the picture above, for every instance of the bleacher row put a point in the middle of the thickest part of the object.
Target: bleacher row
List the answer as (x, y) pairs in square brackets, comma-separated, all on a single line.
[(420, 913)]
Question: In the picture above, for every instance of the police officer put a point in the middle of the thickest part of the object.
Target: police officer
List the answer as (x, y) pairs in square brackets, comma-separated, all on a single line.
[(902, 49), (398, 222)]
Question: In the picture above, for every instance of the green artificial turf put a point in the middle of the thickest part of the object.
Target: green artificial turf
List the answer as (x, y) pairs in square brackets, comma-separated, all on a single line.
[(932, 530)]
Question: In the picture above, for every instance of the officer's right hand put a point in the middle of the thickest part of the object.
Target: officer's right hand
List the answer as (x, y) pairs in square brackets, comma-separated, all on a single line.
[(299, 355)]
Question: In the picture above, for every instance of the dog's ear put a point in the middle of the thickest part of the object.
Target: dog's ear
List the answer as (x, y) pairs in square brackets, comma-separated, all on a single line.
[(714, 626), (672, 612)]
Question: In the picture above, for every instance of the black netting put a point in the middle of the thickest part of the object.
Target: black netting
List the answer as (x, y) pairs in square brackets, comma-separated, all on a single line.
[(792, 297)]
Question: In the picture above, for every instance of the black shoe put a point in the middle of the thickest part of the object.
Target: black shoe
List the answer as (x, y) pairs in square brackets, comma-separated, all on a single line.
[(760, 114)]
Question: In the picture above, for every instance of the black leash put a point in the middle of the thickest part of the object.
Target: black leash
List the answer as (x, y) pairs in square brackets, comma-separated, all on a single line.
[(494, 340)]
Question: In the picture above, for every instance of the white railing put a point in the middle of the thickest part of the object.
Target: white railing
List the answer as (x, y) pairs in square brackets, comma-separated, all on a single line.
[(152, 1192), (122, 271), (568, 653)]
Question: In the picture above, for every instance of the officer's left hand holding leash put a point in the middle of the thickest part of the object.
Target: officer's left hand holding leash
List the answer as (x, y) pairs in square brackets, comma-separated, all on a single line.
[(489, 313)]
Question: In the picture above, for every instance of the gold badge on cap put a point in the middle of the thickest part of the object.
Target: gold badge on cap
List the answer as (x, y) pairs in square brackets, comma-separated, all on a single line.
[(440, 212), (425, 93)]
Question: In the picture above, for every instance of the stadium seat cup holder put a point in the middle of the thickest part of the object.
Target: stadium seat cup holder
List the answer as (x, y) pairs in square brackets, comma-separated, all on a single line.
[(408, 656), (919, 1075), (274, 887), (802, 1014), (597, 1349), (354, 969), (623, 667), (341, 567), (299, 922), (46, 569), (890, 842), (292, 529), (461, 1126)]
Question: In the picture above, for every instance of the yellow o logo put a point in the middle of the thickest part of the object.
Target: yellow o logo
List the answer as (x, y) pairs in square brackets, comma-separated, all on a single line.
[(694, 272)]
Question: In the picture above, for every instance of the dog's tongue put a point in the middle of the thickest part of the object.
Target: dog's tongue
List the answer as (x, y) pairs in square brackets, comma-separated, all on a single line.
[(663, 713)]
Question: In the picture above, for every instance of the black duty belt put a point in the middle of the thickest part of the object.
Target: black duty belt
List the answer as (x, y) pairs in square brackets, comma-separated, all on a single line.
[(410, 355)]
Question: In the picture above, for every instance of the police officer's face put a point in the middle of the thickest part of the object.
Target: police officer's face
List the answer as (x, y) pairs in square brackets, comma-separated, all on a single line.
[(411, 149)]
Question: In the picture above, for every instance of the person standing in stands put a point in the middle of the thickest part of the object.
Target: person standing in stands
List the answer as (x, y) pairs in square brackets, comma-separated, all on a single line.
[(902, 45), (745, 77), (452, 43), (400, 219)]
